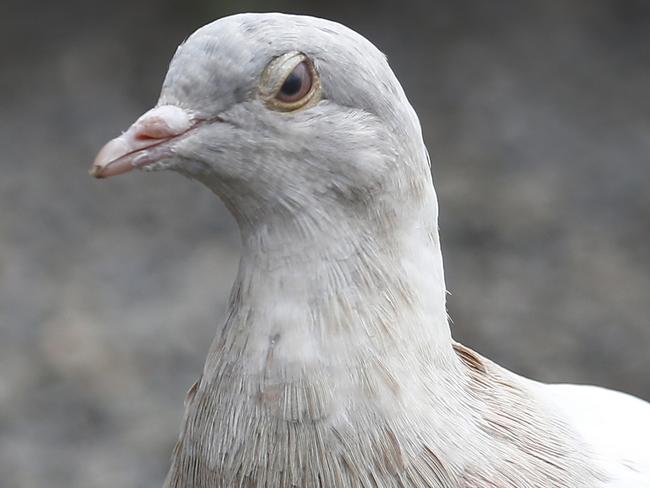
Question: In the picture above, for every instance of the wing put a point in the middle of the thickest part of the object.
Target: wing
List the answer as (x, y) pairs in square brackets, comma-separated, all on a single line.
[(615, 425)]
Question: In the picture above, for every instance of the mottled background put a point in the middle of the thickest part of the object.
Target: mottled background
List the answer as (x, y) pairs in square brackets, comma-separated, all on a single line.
[(537, 116)]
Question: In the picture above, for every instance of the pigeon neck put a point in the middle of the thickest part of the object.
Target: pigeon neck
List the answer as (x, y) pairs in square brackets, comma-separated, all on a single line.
[(350, 291)]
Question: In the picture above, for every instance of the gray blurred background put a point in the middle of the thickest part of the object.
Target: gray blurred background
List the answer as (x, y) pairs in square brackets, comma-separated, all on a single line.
[(537, 117)]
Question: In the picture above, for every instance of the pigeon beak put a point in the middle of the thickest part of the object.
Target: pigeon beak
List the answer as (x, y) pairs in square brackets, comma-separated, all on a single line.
[(143, 143)]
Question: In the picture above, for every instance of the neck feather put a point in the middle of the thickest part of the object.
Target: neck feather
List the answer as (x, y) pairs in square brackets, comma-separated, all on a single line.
[(320, 294)]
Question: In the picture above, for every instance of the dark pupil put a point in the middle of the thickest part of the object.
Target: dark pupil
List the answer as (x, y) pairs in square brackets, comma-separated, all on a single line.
[(291, 85)]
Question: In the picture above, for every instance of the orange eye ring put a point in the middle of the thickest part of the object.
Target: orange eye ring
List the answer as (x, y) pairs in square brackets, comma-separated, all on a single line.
[(290, 82)]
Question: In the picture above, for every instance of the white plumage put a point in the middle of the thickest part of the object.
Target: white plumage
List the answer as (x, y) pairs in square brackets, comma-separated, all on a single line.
[(615, 425), (335, 366)]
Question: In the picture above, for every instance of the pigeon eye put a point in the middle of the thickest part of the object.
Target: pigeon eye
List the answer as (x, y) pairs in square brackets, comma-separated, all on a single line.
[(296, 85), (290, 82)]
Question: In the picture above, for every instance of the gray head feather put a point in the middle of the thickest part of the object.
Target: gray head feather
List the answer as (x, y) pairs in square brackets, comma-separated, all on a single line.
[(361, 140)]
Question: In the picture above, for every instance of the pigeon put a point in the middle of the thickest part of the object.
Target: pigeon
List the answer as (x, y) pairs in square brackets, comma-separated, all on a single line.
[(334, 365)]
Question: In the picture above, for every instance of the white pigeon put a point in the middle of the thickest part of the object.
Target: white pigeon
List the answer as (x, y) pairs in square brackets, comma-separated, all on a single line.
[(334, 366)]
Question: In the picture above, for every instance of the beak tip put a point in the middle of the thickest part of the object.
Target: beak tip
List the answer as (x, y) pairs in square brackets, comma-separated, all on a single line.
[(96, 172)]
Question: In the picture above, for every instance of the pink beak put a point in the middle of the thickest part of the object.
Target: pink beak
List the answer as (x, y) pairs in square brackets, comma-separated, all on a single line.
[(143, 143)]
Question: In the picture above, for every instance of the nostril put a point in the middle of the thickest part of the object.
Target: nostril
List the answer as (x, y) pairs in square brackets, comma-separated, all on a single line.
[(153, 128), (161, 123), (143, 136)]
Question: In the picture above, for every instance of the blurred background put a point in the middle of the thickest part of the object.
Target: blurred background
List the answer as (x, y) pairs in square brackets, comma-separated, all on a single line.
[(537, 117)]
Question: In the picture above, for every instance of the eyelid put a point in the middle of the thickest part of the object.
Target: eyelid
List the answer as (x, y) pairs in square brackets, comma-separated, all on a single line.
[(278, 70), (304, 75), (275, 75)]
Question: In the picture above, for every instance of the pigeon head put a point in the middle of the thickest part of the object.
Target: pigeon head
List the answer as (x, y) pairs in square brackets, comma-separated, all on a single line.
[(280, 114)]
